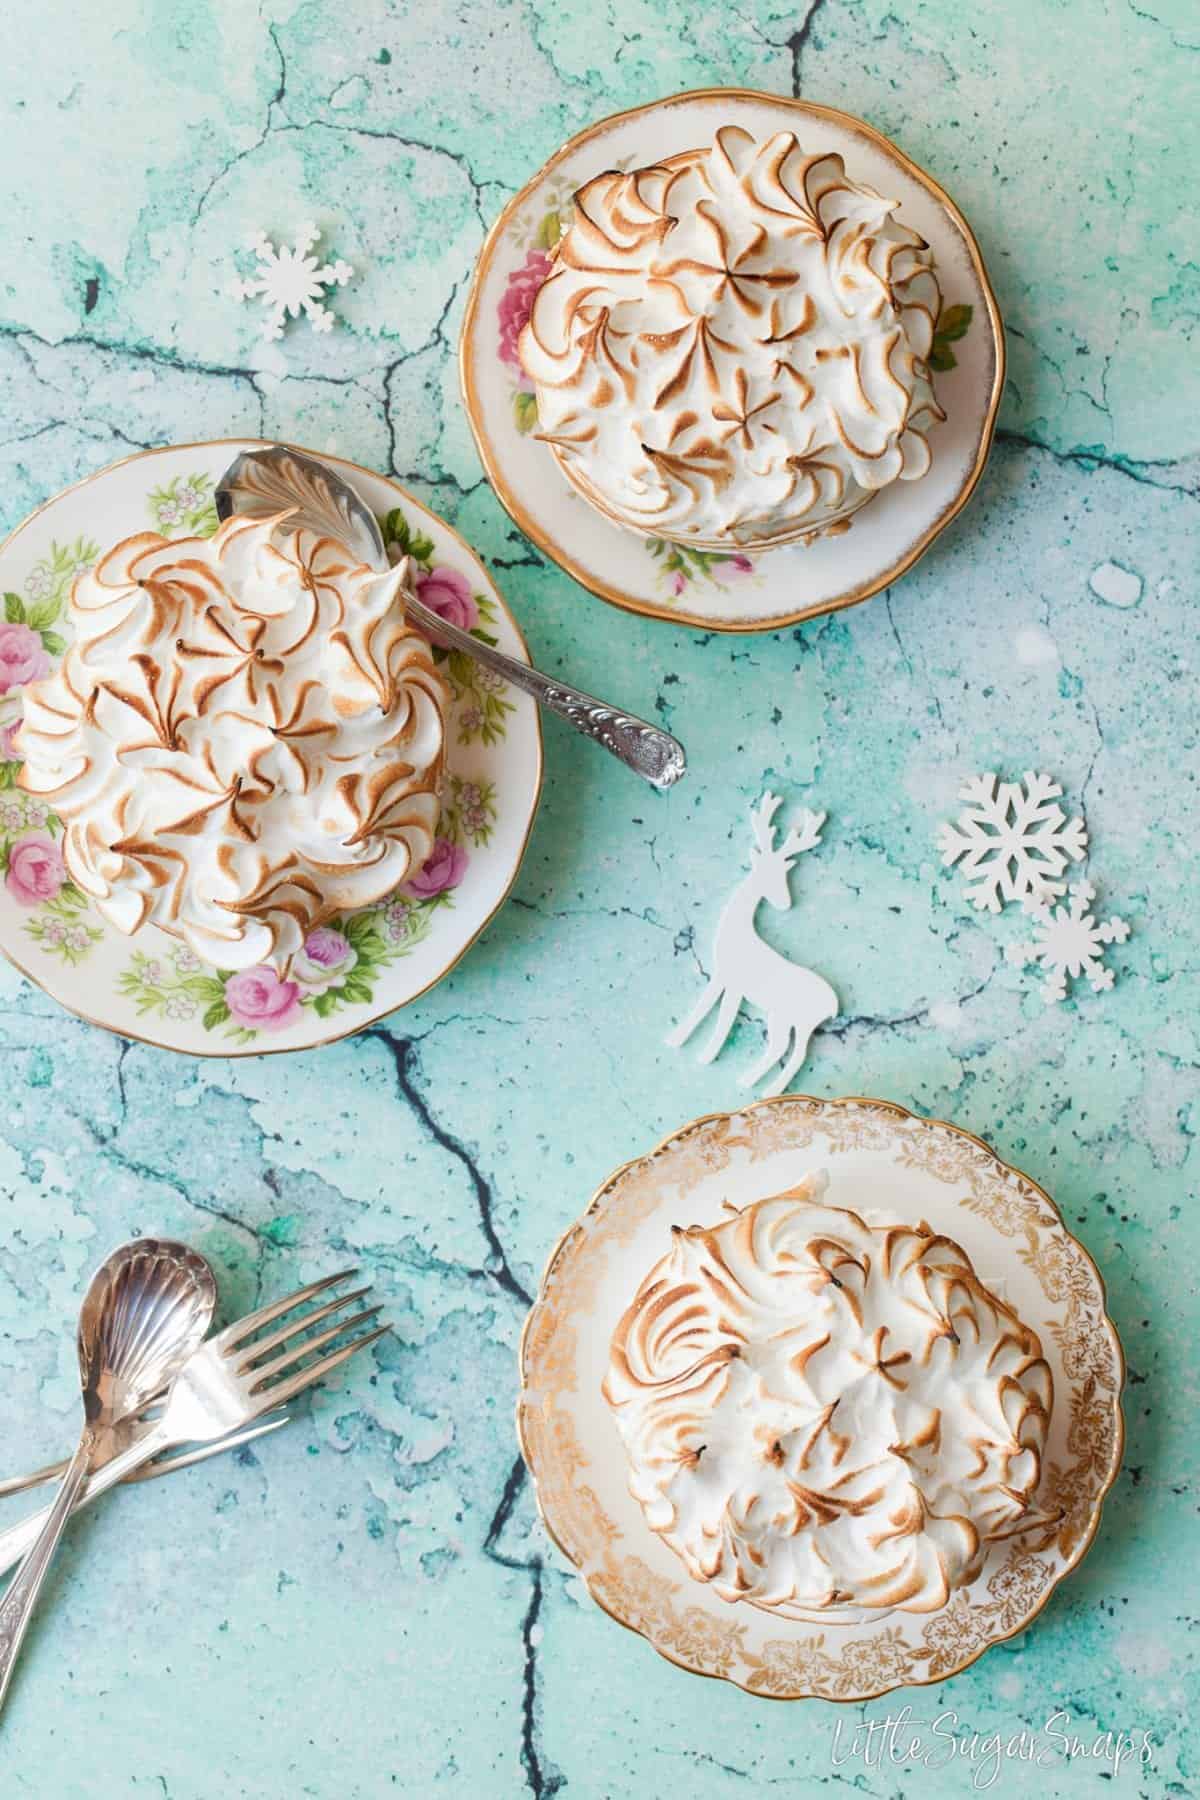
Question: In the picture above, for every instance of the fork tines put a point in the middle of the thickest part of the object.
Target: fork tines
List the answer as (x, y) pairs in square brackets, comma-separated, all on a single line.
[(290, 1371)]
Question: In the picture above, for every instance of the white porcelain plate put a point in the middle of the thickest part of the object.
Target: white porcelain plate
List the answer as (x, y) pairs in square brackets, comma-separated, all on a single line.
[(880, 1157), (727, 593), (149, 986)]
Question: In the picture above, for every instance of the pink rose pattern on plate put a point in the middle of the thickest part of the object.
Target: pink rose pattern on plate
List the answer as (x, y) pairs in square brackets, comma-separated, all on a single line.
[(680, 565), (445, 869), (481, 708), (516, 304), (30, 857), (262, 1000), (325, 960), (341, 962), (512, 312), (22, 656), (35, 877), (36, 870), (448, 593)]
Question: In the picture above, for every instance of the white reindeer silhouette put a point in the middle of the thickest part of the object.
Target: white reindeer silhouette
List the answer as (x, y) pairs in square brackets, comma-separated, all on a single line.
[(794, 1000)]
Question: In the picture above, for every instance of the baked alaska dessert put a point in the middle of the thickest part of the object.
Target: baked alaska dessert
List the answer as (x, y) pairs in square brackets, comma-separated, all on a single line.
[(732, 347), (826, 1417), (243, 739)]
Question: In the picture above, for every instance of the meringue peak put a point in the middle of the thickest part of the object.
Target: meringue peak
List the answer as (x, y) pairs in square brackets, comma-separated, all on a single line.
[(806, 1425), (732, 346), (244, 738)]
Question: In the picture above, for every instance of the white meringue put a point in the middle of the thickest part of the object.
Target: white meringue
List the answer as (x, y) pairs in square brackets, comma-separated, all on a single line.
[(826, 1417), (244, 738), (731, 348)]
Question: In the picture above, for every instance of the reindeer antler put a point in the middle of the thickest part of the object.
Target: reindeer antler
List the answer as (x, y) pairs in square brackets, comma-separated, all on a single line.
[(804, 836), (760, 818)]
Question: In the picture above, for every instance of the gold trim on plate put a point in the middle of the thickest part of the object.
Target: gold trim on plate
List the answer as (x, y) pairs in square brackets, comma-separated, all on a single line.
[(717, 1641), (529, 525), (374, 1018)]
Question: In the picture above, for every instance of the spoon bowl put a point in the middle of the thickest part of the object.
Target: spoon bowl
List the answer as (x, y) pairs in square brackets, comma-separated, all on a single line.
[(264, 484), (146, 1311)]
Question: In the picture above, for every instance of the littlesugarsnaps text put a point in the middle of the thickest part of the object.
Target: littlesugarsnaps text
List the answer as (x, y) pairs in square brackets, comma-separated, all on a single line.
[(900, 1740)]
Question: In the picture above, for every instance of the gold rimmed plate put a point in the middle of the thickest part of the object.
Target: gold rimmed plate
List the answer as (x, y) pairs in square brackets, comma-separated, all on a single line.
[(879, 1156), (735, 592), (150, 987)]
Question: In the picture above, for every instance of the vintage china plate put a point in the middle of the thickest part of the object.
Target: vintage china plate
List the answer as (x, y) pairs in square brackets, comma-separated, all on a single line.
[(725, 593), (916, 1168), (147, 987)]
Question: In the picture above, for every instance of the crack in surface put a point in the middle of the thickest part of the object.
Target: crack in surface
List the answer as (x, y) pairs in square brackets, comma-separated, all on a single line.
[(798, 42), (405, 1059), (537, 1779), (164, 358), (795, 44), (539, 1782), (381, 132), (268, 126), (1090, 459), (869, 1022), (908, 662)]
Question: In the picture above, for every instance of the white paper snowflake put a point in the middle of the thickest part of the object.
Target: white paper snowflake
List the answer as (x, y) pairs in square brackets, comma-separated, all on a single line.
[(1012, 841), (1067, 940), (288, 280)]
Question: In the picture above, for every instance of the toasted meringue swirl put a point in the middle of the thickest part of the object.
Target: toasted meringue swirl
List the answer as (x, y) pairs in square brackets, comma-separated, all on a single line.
[(244, 738), (826, 1417), (732, 346)]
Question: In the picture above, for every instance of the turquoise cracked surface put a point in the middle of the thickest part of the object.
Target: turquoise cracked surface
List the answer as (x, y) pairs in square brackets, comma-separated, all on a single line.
[(365, 1605)]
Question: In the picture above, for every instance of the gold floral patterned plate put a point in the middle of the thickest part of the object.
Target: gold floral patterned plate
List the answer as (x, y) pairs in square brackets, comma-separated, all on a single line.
[(736, 592), (877, 1154), (362, 965)]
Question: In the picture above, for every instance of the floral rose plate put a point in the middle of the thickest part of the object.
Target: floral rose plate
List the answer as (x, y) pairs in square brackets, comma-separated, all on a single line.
[(882, 1156), (352, 970), (694, 587)]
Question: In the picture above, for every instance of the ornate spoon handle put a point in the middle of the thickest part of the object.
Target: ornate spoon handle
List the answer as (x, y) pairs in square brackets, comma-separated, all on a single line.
[(16, 1609), (650, 752), (16, 1542), (281, 480)]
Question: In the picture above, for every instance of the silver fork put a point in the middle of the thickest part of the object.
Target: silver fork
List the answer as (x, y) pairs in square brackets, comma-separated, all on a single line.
[(225, 1385), (162, 1465)]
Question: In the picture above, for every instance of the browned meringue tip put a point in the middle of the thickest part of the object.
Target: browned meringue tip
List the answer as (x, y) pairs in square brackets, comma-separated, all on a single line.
[(870, 1500), (662, 244), (1031, 1521), (217, 654)]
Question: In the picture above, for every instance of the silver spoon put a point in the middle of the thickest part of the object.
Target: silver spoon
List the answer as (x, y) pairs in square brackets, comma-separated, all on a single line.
[(264, 482), (146, 1310)]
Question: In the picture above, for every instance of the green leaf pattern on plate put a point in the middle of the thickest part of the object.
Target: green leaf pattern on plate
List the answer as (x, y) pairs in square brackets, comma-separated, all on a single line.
[(179, 986), (681, 564), (468, 811), (47, 587), (184, 507), (525, 412), (953, 323), (31, 864)]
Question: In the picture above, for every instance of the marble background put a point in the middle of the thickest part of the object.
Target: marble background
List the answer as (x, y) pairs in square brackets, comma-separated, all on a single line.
[(367, 1607)]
